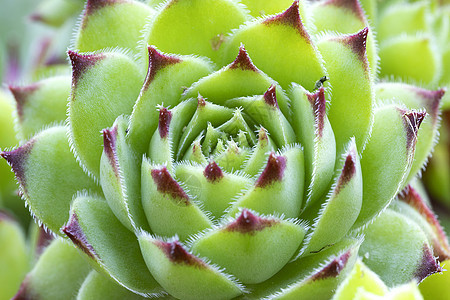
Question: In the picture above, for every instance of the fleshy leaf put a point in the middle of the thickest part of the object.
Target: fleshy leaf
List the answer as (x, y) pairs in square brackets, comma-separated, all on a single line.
[(265, 7), (240, 78), (342, 207), (165, 201), (284, 39), (60, 265), (387, 158), (120, 177), (113, 249), (110, 24), (416, 98), (395, 263), (41, 104), (251, 247), (184, 275), (351, 111), (314, 132), (167, 77), (278, 188), (104, 86), (206, 26), (49, 176)]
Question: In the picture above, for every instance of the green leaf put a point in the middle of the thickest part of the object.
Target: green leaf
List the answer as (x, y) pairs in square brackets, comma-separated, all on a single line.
[(49, 176), (351, 111), (112, 248), (41, 104), (184, 275), (281, 47), (111, 24), (58, 274), (104, 86), (206, 26)]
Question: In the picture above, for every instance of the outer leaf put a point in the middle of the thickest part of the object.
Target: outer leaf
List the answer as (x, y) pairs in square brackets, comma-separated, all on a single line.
[(110, 24), (49, 176), (204, 24), (284, 39), (184, 275), (61, 266), (104, 86), (265, 7), (395, 263), (387, 159), (41, 104), (351, 111), (112, 247)]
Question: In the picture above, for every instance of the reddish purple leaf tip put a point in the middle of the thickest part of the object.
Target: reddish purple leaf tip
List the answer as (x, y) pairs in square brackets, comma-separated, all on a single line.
[(21, 95), (348, 170), (212, 172), (247, 222), (358, 44), (17, 160), (290, 17), (243, 61), (201, 102), (165, 116), (270, 96), (428, 265), (352, 5), (81, 63), (93, 5), (24, 292), (273, 171), (176, 253), (74, 232), (165, 184), (156, 62), (334, 268), (319, 106), (432, 99), (109, 144), (412, 120)]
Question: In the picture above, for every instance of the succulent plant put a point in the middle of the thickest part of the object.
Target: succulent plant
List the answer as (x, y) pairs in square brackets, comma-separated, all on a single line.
[(245, 151)]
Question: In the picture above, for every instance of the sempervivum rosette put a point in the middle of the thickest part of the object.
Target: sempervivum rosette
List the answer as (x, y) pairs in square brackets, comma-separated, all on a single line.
[(240, 155)]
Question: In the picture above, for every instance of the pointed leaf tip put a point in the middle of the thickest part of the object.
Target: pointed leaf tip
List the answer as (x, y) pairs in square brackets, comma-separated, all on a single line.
[(93, 5), (434, 98), (81, 63), (348, 171), (412, 120), (270, 96), (17, 159), (201, 102), (74, 232), (177, 254), (24, 290), (358, 43), (333, 268), (352, 5), (428, 266), (109, 144), (165, 116), (247, 222), (263, 137), (167, 185), (212, 172), (21, 95), (273, 171), (290, 17), (156, 62), (243, 61), (318, 103)]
